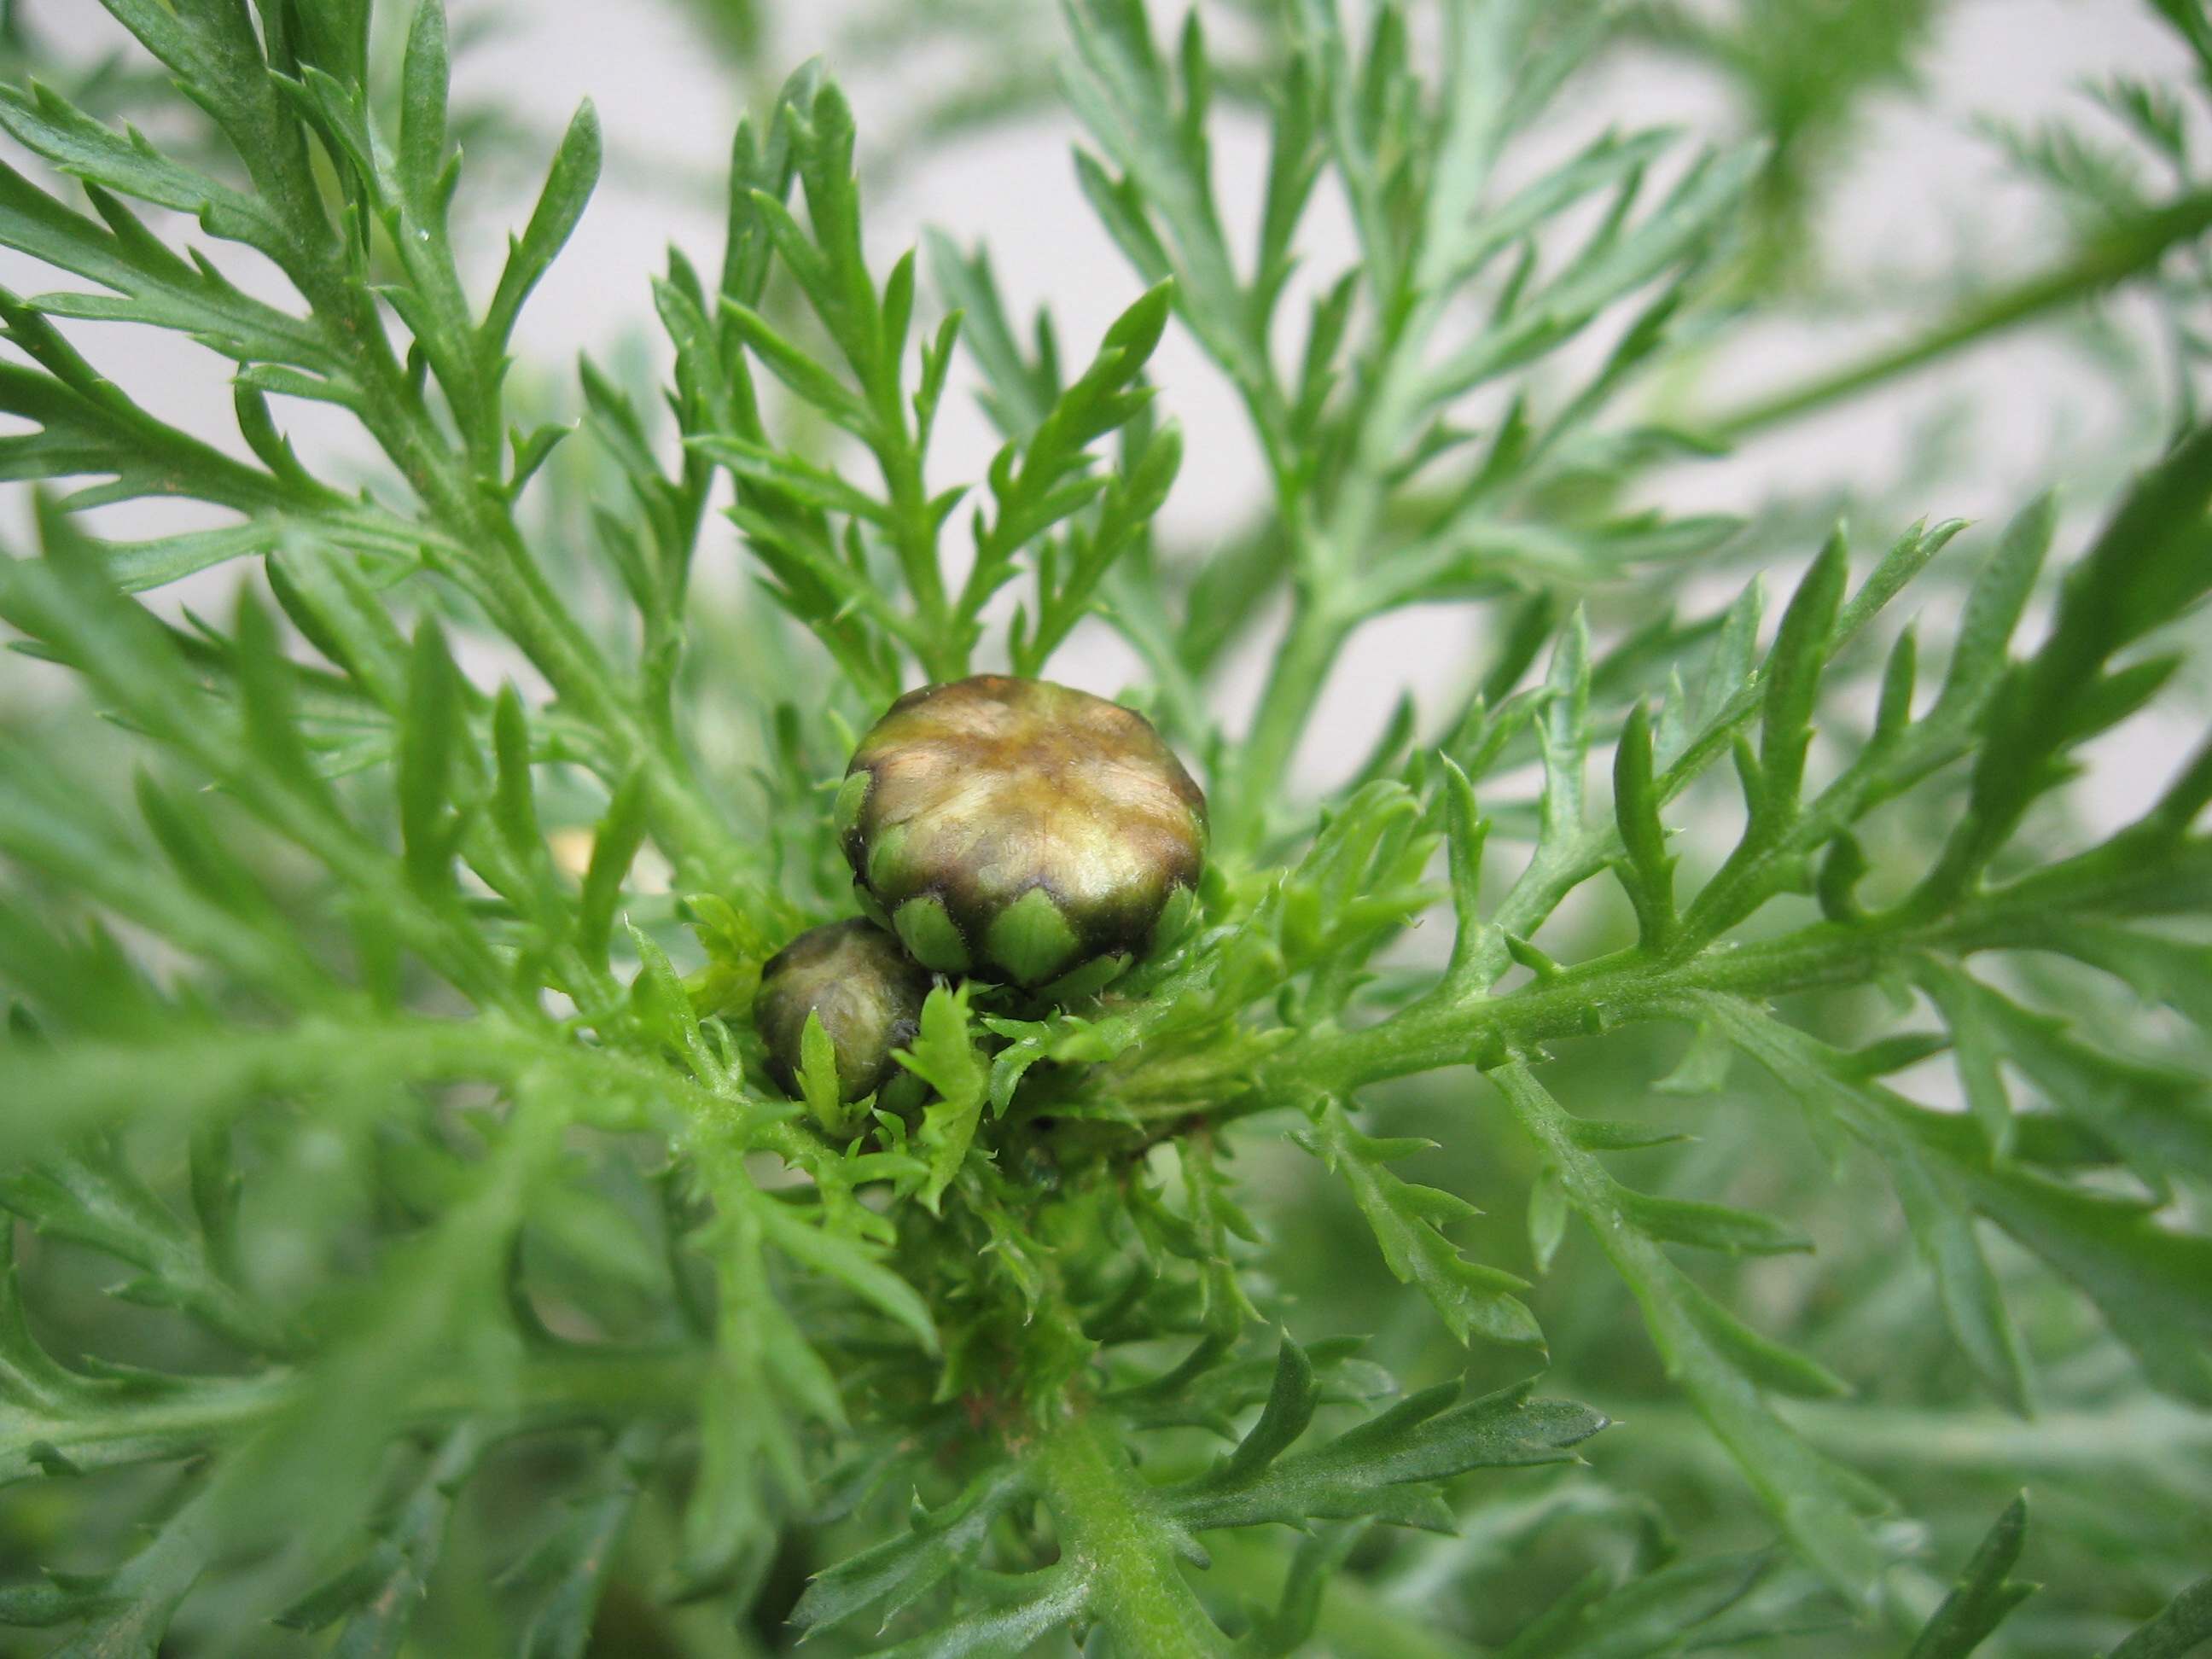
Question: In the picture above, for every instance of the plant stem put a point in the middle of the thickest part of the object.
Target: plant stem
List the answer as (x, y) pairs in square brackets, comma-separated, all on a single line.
[(1263, 762), (1454, 1029), (2129, 250), (1119, 1548), (466, 506), (2156, 1439), (1613, 990), (943, 656)]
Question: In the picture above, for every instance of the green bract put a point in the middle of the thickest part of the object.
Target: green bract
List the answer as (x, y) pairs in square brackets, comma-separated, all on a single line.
[(852, 977), (1015, 830)]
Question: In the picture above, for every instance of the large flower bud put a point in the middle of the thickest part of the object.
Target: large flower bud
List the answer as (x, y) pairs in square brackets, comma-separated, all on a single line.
[(1014, 829), (867, 992)]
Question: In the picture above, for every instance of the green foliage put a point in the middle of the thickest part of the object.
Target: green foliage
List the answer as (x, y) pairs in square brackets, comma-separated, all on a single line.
[(394, 1149), (1977, 1604), (1985, 1597), (1408, 1222), (1803, 77), (943, 1057)]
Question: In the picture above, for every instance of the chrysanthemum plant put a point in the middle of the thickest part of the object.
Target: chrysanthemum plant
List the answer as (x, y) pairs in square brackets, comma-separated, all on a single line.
[(512, 1283)]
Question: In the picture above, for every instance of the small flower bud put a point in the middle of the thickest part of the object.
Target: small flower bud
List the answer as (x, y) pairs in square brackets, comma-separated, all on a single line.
[(1014, 829), (866, 992)]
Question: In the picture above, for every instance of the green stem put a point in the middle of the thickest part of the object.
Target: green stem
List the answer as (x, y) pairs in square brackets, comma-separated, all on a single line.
[(464, 508), (1328, 556), (1456, 1027), (1614, 990), (697, 842), (942, 657), (2151, 1437), (530, 611), (1119, 1548), (1294, 685), (2129, 250)]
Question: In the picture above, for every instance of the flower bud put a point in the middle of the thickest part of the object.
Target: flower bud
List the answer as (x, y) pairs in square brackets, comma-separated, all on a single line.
[(866, 992), (1014, 829)]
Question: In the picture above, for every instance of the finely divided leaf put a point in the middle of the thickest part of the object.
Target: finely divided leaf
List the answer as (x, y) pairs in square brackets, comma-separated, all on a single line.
[(1386, 1466), (891, 1576), (1816, 1503), (943, 1056), (1983, 1596), (1471, 1298)]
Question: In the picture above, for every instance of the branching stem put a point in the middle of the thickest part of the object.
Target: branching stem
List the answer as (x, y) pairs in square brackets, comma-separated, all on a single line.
[(1445, 1029), (2129, 251), (1119, 1548), (466, 509)]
